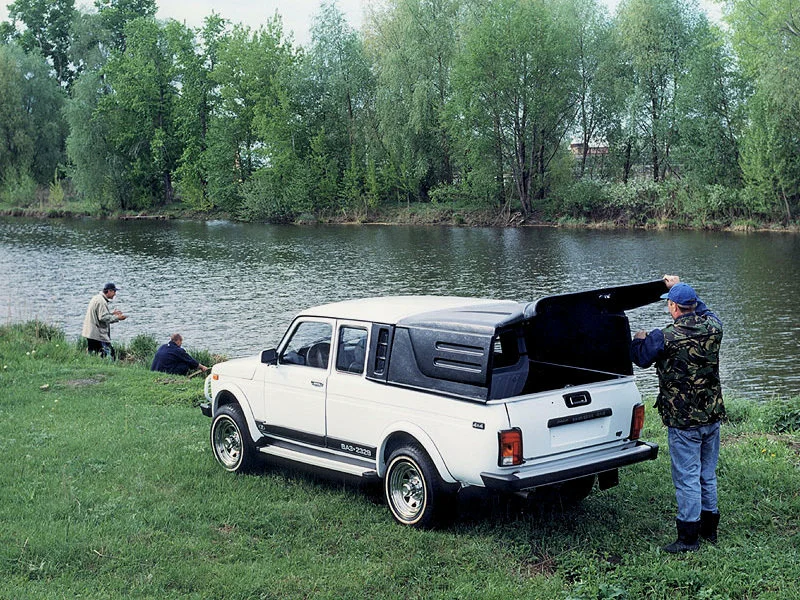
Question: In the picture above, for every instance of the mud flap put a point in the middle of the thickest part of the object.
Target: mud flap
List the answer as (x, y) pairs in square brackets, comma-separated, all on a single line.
[(608, 479)]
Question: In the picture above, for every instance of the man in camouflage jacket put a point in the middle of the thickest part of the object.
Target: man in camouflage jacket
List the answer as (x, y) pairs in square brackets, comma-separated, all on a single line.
[(686, 355)]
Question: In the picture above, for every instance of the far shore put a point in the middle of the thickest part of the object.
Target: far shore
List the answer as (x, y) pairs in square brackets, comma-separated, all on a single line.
[(415, 214)]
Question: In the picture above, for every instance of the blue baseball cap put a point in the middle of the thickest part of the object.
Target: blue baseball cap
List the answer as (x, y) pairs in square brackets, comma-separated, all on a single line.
[(110, 286), (681, 294)]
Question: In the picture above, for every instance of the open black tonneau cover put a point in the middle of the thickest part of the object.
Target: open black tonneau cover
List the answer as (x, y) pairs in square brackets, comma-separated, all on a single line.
[(588, 329), (451, 350)]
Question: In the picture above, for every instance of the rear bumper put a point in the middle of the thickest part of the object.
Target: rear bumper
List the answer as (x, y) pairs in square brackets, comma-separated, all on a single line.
[(557, 471)]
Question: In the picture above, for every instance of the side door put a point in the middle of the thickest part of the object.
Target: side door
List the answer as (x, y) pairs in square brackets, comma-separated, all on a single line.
[(295, 388), (354, 414)]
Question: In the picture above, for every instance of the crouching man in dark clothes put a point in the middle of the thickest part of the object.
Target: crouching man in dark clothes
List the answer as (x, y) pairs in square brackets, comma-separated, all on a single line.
[(171, 358), (686, 355)]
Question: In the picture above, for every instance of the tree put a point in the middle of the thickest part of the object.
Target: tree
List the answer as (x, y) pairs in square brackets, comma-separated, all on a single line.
[(140, 112), (335, 95), (767, 41), (32, 130), (251, 66), (97, 171), (47, 30), (194, 105), (415, 43), (116, 14), (658, 38), (597, 56), (710, 106), (516, 84), (16, 143)]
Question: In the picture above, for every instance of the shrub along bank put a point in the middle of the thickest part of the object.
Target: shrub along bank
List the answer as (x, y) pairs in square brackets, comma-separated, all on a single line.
[(585, 203), (108, 488)]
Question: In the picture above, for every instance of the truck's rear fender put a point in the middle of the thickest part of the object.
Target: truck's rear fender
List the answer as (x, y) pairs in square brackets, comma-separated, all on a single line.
[(232, 394), (402, 434)]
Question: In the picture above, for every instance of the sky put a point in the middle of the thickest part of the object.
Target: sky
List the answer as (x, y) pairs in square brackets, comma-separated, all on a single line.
[(296, 14)]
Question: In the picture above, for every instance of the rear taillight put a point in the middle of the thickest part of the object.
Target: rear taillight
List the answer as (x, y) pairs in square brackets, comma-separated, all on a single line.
[(510, 448), (637, 421)]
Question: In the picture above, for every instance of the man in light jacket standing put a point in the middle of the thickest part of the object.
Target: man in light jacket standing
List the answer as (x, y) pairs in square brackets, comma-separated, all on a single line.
[(97, 323)]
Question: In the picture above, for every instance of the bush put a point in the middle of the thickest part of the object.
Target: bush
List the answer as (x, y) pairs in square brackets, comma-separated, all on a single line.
[(33, 331), (582, 199), (783, 416), (140, 350), (17, 189), (266, 198), (42, 331)]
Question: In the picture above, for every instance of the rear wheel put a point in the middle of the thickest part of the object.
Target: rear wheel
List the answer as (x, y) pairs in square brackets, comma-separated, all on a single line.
[(415, 493), (230, 440)]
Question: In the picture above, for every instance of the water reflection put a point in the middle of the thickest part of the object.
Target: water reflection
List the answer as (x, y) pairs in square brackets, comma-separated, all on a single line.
[(232, 288)]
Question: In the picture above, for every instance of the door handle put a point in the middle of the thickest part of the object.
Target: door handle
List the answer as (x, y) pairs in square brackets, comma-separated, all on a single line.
[(316, 383)]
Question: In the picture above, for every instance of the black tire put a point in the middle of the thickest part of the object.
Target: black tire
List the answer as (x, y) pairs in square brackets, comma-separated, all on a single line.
[(231, 442), (414, 491)]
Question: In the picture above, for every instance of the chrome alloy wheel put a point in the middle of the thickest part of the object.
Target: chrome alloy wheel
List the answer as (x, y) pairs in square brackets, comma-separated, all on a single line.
[(406, 489), (227, 443)]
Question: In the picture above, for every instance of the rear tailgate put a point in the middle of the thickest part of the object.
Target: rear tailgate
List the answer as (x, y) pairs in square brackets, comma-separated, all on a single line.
[(574, 418)]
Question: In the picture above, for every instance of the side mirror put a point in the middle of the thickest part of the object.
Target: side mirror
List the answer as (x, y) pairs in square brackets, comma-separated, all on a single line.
[(269, 357)]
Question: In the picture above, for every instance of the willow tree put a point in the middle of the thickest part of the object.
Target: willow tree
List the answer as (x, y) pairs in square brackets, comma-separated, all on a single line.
[(32, 129), (335, 99), (415, 44)]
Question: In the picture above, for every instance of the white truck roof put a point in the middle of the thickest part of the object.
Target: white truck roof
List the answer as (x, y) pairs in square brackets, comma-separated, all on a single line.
[(392, 309)]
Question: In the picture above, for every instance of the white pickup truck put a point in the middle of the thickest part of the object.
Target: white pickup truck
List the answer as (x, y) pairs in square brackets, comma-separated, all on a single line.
[(431, 394)]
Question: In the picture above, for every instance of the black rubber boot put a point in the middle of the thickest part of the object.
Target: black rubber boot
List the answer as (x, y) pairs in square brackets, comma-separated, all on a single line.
[(708, 526), (687, 537)]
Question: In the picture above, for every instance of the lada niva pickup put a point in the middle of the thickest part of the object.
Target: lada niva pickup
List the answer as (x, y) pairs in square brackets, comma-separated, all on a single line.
[(431, 394)]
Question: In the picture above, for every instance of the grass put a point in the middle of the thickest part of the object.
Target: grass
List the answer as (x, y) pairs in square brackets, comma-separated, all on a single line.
[(108, 489)]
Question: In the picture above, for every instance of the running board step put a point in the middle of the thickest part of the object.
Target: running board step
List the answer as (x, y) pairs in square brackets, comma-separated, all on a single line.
[(319, 458)]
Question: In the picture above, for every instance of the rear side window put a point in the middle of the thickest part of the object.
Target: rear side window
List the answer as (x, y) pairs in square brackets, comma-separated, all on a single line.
[(505, 351), (509, 365), (381, 351), (352, 349)]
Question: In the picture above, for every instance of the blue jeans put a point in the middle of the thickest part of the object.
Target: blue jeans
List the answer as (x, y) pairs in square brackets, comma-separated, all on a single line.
[(694, 453)]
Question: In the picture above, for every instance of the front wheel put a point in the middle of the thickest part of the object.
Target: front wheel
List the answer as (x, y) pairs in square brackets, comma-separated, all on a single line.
[(230, 440), (415, 493)]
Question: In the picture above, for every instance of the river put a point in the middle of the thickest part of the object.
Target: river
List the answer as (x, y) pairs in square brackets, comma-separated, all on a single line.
[(232, 288)]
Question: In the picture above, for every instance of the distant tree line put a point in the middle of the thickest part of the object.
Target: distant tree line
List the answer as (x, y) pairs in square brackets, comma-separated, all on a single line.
[(442, 101)]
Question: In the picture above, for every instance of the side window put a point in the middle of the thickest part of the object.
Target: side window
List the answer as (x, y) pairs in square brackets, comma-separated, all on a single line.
[(352, 349), (309, 345)]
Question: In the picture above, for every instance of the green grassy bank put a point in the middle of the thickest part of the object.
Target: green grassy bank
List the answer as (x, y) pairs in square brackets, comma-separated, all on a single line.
[(108, 489)]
